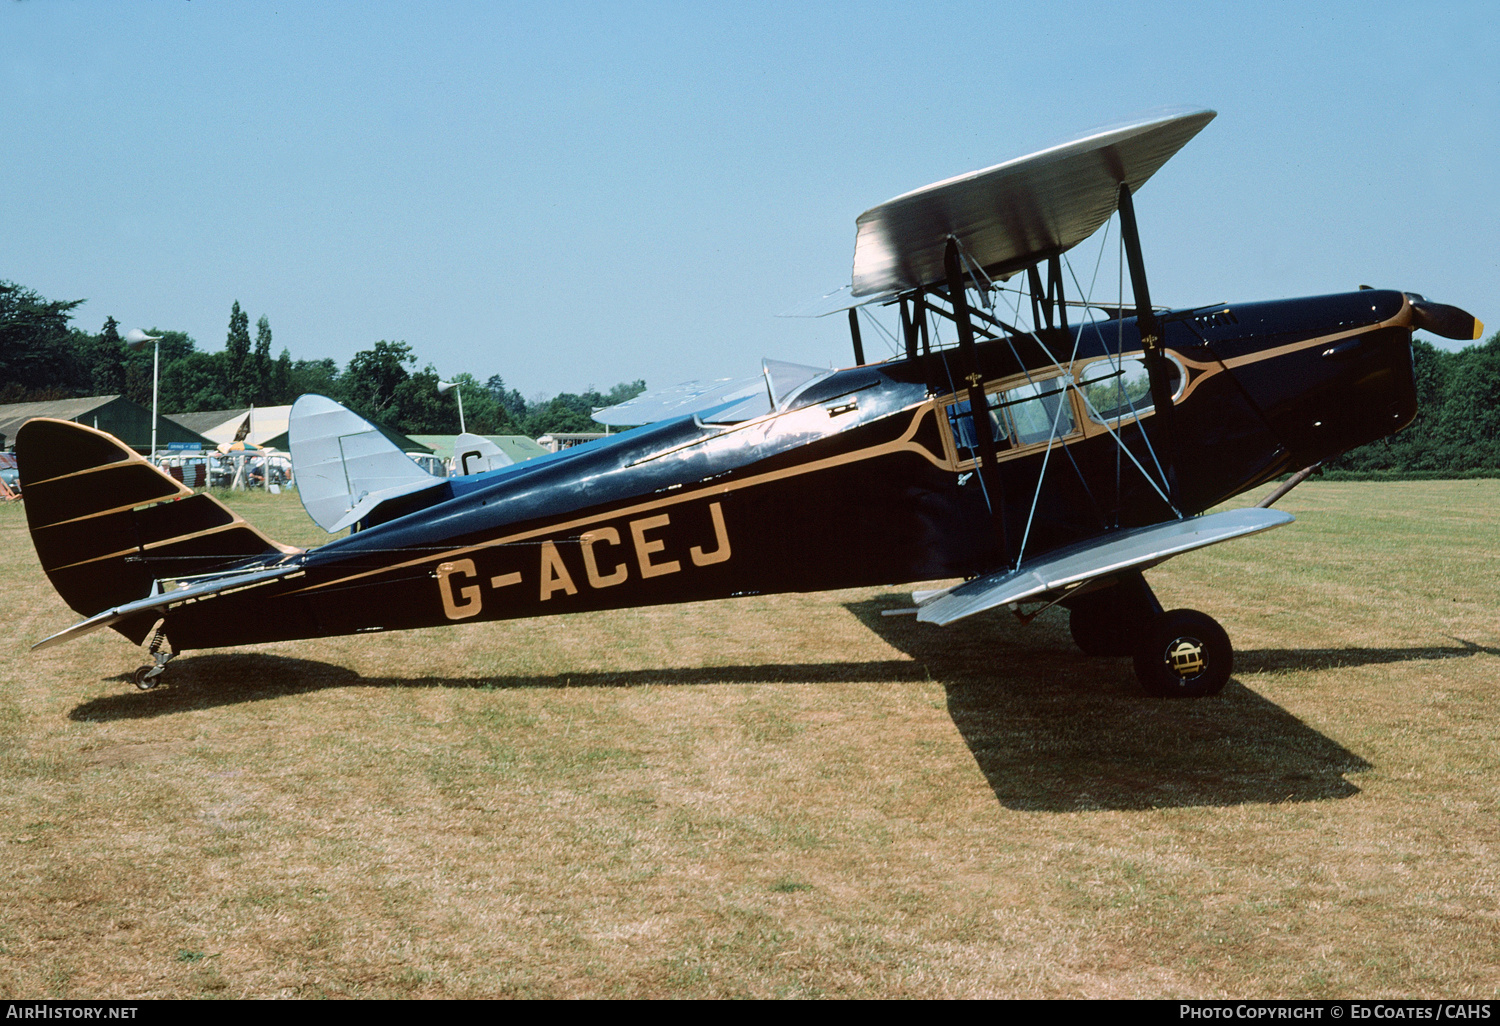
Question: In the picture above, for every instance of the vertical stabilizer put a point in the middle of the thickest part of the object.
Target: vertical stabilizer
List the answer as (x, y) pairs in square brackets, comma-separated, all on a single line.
[(344, 465), (107, 524)]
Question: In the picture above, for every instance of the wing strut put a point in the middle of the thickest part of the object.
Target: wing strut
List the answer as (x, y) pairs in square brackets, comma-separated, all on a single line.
[(1151, 344), (908, 329), (859, 346), (979, 411)]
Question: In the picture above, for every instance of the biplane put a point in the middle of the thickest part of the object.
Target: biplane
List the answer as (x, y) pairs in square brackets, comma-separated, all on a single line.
[(1039, 447)]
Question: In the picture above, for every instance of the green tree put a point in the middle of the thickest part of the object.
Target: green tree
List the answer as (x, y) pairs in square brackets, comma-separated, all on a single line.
[(281, 379), (197, 381), (260, 363), (315, 377), (174, 345), (482, 414), (370, 380), (510, 400), (1469, 423), (108, 364), (39, 351), (570, 412), (624, 391), (237, 348), (1457, 427), (418, 409)]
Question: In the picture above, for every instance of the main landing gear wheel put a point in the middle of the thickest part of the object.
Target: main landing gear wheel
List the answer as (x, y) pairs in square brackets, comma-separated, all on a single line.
[(1183, 654)]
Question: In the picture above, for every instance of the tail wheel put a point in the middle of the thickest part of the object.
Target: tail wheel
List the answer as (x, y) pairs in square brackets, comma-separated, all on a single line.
[(1183, 654)]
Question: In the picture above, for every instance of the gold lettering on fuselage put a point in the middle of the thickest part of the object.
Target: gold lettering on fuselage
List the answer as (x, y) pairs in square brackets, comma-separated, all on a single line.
[(452, 607), (555, 576), (605, 536), (460, 583), (721, 536), (644, 549)]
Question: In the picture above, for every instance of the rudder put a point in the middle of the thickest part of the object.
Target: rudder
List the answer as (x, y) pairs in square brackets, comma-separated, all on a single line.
[(107, 524)]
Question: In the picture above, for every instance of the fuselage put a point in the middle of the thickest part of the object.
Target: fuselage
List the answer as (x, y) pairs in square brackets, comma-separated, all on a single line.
[(867, 476)]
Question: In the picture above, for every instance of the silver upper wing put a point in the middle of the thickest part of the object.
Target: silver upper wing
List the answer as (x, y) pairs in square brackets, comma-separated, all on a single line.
[(1013, 214)]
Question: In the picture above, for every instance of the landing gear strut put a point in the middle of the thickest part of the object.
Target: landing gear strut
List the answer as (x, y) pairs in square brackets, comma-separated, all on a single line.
[(148, 676), (1109, 622)]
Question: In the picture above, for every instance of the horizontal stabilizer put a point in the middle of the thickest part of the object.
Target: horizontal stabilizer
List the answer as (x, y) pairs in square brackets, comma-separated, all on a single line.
[(340, 459), (1138, 548), (1016, 213), (157, 604)]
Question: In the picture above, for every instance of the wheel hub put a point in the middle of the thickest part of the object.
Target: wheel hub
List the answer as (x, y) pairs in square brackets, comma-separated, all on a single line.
[(1187, 657)]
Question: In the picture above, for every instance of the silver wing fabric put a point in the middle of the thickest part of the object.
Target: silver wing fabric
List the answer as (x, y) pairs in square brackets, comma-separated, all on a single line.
[(1013, 214), (1138, 548)]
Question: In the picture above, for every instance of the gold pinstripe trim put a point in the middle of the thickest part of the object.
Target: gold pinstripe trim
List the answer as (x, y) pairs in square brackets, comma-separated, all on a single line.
[(1401, 319), (902, 444), (131, 456), (114, 509), (93, 559), (235, 521), (1196, 372), (182, 489), (1292, 347), (200, 534), (238, 524)]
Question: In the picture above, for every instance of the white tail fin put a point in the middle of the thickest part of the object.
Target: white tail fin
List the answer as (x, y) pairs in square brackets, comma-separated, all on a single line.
[(474, 454), (344, 466)]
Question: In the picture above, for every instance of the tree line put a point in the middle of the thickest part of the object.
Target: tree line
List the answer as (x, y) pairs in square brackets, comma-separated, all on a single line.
[(1457, 430), (43, 355)]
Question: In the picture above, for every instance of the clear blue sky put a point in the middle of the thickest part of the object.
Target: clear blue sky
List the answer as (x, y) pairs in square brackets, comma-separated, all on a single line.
[(582, 194)]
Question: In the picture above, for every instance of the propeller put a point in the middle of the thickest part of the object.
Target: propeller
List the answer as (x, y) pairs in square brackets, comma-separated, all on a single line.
[(1444, 320)]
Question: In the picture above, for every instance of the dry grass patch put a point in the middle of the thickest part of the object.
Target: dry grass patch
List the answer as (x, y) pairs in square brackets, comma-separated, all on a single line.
[(782, 796)]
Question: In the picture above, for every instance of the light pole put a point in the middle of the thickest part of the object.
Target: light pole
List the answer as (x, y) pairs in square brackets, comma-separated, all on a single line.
[(443, 387), (135, 338)]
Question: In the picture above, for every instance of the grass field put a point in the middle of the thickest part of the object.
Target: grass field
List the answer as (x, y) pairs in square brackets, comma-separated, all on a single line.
[(783, 796)]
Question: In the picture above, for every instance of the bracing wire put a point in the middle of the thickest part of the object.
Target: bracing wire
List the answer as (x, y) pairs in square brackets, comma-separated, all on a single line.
[(1117, 364), (1119, 442), (870, 318)]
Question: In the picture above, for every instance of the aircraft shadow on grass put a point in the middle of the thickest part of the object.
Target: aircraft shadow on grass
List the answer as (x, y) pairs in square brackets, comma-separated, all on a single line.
[(1055, 730), (1051, 729)]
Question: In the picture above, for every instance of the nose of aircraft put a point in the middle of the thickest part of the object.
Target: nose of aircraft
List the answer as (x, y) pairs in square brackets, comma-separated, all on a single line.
[(1444, 320)]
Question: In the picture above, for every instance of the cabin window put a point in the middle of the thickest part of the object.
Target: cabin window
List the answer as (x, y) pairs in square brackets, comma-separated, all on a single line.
[(1029, 413), (1040, 410), (1118, 389), (963, 427)]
